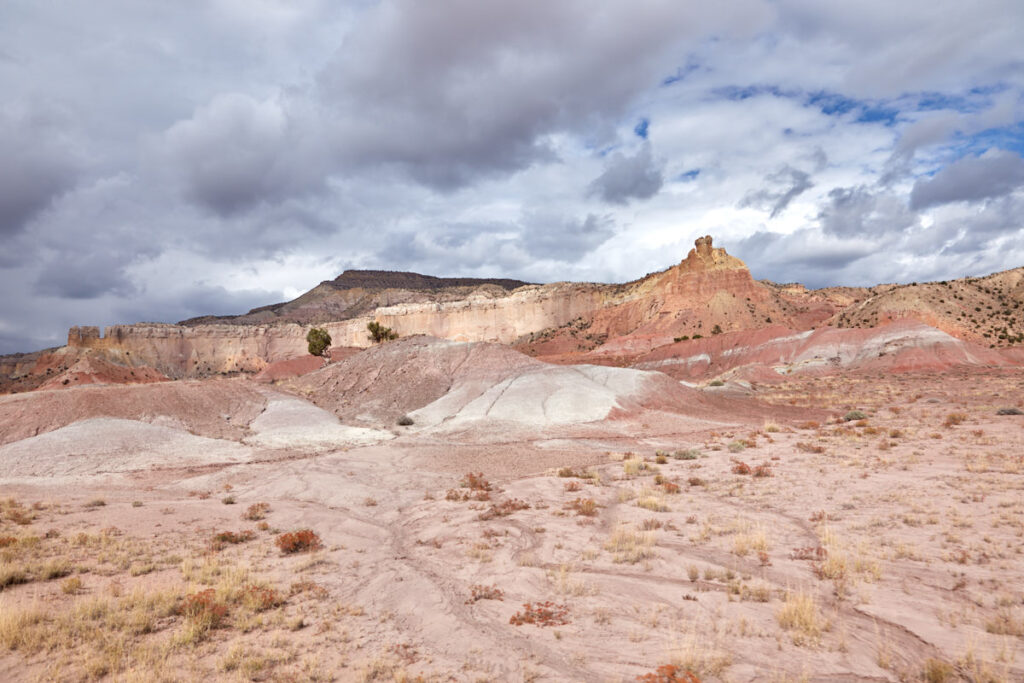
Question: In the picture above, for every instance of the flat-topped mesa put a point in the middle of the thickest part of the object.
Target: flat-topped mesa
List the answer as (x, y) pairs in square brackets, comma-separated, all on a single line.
[(704, 257)]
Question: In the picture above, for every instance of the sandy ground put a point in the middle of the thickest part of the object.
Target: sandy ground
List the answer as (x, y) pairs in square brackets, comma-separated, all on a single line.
[(886, 546)]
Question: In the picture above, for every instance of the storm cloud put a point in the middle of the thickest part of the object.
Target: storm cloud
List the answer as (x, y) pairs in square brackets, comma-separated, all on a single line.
[(629, 177), (994, 174)]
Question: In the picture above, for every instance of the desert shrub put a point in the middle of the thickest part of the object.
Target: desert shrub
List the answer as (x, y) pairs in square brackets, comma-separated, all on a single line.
[(954, 419), (763, 470), (203, 609), (688, 454), (541, 614), (854, 415), (379, 333), (475, 482), (669, 673), (228, 500), (583, 506), (717, 329), (222, 539), (259, 598), (679, 339), (809, 447), (405, 421), (256, 512), (1009, 411), (695, 481), (302, 541), (71, 585), (741, 468), (716, 383), (572, 486), (813, 553), (737, 446), (318, 341), (670, 487), (481, 592), (504, 509)]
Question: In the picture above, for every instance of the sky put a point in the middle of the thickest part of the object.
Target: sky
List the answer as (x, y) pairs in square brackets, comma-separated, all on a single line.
[(162, 160)]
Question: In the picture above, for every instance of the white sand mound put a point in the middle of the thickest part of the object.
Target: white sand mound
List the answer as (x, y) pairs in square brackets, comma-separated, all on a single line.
[(293, 423), (545, 396), (103, 445)]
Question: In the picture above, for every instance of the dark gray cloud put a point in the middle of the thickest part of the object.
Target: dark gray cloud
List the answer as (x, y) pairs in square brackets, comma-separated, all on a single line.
[(994, 174), (785, 185), (237, 152), (865, 211), (34, 168), (629, 177), (551, 236), (466, 90), (197, 299), (803, 256), (76, 275)]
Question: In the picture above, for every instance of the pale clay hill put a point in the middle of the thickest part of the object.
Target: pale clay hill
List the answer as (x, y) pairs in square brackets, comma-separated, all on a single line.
[(559, 483)]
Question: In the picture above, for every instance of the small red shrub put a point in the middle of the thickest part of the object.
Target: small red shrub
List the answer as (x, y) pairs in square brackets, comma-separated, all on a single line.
[(302, 541), (741, 468), (541, 614), (480, 592), (669, 673), (475, 482), (203, 607)]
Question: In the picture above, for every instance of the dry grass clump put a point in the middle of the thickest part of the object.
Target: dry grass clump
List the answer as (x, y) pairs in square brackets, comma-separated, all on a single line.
[(632, 467), (629, 546), (256, 512), (586, 507), (954, 419), (650, 500), (800, 616)]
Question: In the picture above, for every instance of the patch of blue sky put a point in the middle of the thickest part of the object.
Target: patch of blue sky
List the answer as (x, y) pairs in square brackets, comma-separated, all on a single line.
[(736, 92), (641, 128), (681, 73), (688, 175), (1010, 138), (832, 104), (878, 114)]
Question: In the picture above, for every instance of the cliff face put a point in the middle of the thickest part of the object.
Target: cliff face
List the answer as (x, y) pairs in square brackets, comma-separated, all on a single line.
[(197, 350), (707, 288), (709, 292)]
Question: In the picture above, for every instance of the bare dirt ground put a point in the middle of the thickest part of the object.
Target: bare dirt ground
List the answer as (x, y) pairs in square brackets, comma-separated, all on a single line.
[(771, 533)]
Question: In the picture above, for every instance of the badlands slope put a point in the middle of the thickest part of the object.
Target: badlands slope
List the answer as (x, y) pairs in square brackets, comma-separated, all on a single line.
[(826, 489), (534, 521)]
